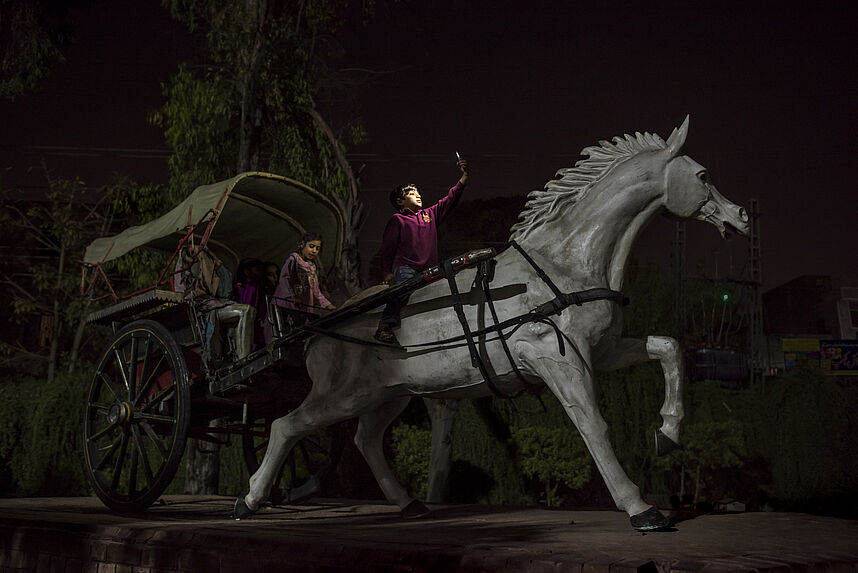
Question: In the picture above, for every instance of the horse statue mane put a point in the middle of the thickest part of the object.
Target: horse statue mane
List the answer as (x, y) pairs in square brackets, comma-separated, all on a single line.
[(573, 183)]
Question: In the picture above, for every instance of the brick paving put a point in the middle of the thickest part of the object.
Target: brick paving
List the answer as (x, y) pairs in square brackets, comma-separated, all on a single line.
[(191, 534)]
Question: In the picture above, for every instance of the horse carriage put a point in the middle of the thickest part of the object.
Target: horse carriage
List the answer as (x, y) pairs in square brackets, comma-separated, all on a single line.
[(159, 382), (545, 312)]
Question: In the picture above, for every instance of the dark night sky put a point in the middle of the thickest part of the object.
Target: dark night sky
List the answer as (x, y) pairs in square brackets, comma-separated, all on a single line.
[(520, 88)]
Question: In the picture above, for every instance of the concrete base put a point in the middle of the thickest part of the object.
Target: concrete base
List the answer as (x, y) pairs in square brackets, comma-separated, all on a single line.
[(195, 534)]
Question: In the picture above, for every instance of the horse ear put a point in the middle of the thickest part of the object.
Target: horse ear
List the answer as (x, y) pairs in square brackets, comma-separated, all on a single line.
[(677, 138)]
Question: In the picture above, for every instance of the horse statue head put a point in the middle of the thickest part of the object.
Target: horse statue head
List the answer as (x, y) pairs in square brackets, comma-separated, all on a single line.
[(689, 193), (590, 215)]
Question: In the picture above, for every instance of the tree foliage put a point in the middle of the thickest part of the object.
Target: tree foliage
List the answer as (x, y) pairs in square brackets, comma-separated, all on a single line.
[(42, 284), (251, 103), (33, 34)]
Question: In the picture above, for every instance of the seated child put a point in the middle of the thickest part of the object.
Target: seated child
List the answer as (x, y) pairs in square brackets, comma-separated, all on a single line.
[(298, 285), (208, 285)]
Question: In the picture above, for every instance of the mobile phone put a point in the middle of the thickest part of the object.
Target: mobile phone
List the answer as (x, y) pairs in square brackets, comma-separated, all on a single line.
[(458, 157)]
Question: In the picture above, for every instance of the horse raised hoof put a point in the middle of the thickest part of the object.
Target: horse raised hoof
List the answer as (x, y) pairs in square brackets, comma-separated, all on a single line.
[(663, 444), (414, 510), (240, 510), (650, 520)]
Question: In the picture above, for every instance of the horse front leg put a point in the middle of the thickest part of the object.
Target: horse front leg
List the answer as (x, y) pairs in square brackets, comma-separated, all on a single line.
[(369, 440), (570, 379), (630, 351), (667, 351), (442, 417)]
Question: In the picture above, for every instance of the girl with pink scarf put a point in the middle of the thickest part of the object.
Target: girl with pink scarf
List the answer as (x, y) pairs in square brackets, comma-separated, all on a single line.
[(298, 287)]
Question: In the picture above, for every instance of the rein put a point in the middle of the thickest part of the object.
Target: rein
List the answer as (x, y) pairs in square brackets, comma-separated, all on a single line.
[(540, 314)]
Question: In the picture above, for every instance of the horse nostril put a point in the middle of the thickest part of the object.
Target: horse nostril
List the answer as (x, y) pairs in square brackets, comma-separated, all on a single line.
[(743, 215)]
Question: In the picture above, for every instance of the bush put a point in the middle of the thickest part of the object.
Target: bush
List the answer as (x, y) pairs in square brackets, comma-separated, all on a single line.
[(40, 436), (412, 448), (554, 456)]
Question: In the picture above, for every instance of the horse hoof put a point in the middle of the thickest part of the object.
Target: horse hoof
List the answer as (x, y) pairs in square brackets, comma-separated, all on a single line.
[(414, 510), (240, 510), (663, 444), (650, 520)]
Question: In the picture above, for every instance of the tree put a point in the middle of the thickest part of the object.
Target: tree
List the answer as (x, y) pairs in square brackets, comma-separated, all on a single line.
[(33, 34), (252, 105), (43, 282)]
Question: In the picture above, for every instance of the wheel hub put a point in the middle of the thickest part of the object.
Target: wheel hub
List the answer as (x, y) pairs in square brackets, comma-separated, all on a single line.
[(120, 414)]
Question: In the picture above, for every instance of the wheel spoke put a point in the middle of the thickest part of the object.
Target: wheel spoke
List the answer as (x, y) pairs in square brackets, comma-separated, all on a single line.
[(146, 353), (161, 396), (123, 369), (100, 433), (155, 418), (132, 476), (155, 439), (109, 383), (132, 368), (108, 454), (117, 467), (147, 467), (145, 386)]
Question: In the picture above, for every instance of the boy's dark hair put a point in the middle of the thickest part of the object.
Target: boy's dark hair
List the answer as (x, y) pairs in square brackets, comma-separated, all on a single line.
[(310, 236), (243, 267), (399, 193)]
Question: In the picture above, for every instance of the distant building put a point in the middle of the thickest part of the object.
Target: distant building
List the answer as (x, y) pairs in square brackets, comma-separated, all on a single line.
[(812, 321)]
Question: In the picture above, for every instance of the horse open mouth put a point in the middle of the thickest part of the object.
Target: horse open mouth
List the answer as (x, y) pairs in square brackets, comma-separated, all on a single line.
[(729, 230)]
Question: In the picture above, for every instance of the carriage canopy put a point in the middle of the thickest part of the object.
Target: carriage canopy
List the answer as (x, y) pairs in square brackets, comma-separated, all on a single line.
[(253, 214)]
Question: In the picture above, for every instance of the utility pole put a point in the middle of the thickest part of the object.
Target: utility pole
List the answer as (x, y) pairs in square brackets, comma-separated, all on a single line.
[(756, 339)]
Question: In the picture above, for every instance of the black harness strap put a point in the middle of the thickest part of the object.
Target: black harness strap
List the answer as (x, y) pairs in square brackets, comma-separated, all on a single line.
[(558, 296), (476, 361), (485, 274)]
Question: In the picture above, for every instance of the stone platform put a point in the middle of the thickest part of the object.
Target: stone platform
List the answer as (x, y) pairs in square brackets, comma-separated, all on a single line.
[(194, 534)]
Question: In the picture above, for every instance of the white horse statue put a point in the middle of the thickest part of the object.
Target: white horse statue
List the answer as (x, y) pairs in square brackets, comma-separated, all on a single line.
[(580, 230)]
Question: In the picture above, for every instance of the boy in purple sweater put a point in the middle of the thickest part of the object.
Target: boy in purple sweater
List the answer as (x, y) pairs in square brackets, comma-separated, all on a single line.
[(410, 243)]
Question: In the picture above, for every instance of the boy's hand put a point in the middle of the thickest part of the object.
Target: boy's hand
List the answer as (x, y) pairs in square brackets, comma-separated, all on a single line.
[(463, 165)]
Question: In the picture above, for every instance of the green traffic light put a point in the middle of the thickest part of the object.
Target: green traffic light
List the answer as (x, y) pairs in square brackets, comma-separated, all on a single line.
[(725, 297)]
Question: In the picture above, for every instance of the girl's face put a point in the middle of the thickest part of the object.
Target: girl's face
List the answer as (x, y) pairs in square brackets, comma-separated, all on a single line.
[(310, 249), (272, 274)]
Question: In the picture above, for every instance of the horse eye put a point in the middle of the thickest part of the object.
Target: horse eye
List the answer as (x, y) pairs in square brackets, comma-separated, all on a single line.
[(704, 177)]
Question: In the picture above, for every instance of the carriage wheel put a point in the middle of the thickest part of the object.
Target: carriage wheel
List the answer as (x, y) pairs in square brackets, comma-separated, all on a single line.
[(305, 469), (136, 419)]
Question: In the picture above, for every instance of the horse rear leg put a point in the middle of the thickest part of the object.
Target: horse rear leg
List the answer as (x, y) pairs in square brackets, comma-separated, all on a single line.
[(442, 415), (311, 415), (369, 440)]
